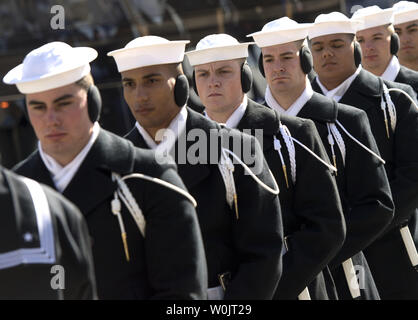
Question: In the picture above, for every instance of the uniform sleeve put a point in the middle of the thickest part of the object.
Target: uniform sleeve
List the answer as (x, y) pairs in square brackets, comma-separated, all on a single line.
[(75, 248), (318, 208), (257, 233), (175, 253), (369, 206), (404, 180)]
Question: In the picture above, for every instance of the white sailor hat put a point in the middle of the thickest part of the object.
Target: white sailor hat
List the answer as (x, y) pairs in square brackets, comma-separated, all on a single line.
[(332, 23), (51, 66), (405, 11), (373, 16), (280, 31), (217, 47), (147, 51)]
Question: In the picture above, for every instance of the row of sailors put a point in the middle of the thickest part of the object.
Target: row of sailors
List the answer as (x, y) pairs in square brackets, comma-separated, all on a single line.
[(334, 201)]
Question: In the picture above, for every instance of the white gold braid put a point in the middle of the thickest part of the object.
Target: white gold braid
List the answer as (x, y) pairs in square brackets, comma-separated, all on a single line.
[(334, 134), (287, 137)]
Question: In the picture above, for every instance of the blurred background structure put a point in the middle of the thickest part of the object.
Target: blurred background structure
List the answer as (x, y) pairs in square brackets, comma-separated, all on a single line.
[(109, 24)]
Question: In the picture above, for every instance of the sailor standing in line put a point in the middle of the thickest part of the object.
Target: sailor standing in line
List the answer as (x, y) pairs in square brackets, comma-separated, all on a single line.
[(393, 119), (314, 225), (368, 207), (380, 44), (238, 209), (146, 238)]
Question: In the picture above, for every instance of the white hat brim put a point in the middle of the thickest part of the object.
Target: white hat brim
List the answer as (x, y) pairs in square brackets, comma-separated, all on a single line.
[(293, 28), (218, 53), (149, 54), (376, 19), (333, 27), (405, 16), (115, 52), (281, 35), (15, 76)]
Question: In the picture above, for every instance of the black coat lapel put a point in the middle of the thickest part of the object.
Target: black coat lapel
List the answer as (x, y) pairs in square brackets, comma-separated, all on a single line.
[(319, 108), (191, 174), (364, 86), (34, 164), (316, 87), (136, 138), (408, 76), (257, 116), (92, 183)]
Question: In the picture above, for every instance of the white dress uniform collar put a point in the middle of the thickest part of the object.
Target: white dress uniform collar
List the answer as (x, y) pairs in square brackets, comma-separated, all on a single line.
[(177, 126), (294, 109), (392, 69), (62, 176), (338, 92), (237, 115)]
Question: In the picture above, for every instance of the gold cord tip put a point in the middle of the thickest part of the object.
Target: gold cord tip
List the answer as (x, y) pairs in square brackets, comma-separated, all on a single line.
[(285, 175), (236, 205), (387, 128), (125, 245), (334, 159)]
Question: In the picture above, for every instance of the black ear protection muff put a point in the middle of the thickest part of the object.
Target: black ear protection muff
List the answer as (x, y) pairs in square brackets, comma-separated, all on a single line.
[(25, 110), (305, 56), (181, 90), (357, 53), (246, 78), (394, 43), (194, 82), (260, 65), (306, 60), (94, 103)]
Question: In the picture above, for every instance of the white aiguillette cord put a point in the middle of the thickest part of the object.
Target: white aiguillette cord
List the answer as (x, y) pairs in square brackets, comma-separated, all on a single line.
[(407, 95), (390, 107), (226, 168), (360, 144), (331, 167), (124, 193)]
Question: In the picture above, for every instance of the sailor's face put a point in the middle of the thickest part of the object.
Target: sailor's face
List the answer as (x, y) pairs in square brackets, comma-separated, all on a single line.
[(375, 47), (60, 120), (408, 35), (333, 56), (149, 93), (219, 85), (282, 67)]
